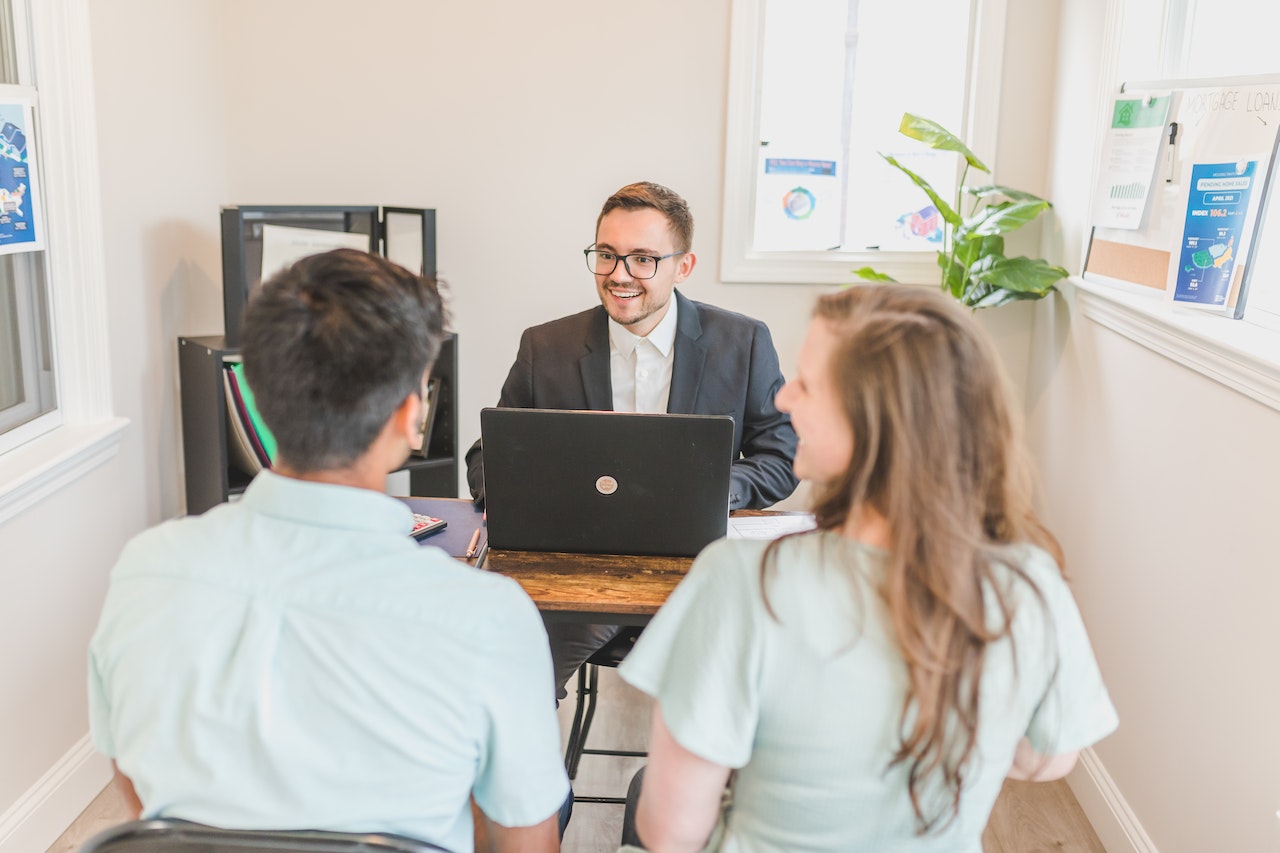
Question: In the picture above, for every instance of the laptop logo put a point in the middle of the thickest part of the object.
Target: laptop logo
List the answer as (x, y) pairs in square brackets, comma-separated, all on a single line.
[(606, 485)]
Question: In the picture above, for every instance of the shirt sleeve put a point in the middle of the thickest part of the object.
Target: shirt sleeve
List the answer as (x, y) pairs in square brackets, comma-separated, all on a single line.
[(99, 710), (1076, 710), (700, 657), (520, 780), (763, 476)]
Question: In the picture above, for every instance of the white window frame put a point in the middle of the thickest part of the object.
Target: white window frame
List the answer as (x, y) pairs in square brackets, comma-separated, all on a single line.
[(738, 261), (83, 431), (1240, 354)]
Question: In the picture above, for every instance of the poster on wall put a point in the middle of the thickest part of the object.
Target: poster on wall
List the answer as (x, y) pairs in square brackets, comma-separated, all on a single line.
[(1131, 152), (1214, 232), (20, 227), (798, 203), (1196, 245)]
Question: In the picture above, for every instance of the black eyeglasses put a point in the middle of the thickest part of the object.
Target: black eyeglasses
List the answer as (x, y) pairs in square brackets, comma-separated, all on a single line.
[(640, 267)]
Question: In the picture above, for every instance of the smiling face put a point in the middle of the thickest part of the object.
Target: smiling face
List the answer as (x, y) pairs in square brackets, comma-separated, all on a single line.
[(639, 304), (817, 412)]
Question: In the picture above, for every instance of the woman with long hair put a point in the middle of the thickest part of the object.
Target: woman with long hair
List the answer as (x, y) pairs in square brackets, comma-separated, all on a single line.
[(869, 685)]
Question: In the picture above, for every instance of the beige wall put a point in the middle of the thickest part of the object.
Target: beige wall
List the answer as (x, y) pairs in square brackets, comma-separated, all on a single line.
[(1162, 485), (515, 121), (508, 118)]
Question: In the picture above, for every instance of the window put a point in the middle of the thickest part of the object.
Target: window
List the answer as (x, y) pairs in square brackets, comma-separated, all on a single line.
[(26, 356), (817, 91), (28, 396), (53, 333)]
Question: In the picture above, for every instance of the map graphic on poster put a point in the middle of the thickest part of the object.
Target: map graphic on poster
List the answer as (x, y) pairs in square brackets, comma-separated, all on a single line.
[(1217, 202), (18, 226)]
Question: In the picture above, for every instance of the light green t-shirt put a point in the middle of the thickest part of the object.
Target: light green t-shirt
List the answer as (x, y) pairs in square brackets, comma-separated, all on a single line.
[(806, 706), (296, 660)]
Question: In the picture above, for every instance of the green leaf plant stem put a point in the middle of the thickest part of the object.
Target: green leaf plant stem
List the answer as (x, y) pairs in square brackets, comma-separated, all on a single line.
[(974, 267)]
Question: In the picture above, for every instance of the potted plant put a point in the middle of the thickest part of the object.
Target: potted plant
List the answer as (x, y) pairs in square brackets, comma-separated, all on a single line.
[(974, 267)]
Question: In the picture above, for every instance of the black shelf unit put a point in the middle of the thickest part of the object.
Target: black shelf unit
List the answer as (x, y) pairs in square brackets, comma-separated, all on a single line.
[(210, 477)]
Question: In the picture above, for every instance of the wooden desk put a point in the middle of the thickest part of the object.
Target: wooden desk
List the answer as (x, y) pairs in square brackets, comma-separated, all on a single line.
[(607, 588), (610, 589)]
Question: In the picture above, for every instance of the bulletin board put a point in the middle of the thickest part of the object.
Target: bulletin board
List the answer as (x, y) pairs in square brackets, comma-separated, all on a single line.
[(1214, 175)]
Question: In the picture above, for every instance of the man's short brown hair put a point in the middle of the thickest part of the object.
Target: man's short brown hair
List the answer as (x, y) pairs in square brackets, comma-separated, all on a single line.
[(646, 194)]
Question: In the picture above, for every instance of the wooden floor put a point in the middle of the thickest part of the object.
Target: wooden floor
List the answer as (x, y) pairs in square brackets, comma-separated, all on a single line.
[(1028, 817)]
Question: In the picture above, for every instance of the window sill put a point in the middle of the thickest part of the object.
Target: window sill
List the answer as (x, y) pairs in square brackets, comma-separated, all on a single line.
[(37, 469), (1239, 354)]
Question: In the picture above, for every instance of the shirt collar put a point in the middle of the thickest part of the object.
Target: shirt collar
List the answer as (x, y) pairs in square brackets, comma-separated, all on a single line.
[(663, 336), (326, 504)]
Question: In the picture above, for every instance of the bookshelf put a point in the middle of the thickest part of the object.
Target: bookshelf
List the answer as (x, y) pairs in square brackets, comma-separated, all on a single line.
[(211, 479)]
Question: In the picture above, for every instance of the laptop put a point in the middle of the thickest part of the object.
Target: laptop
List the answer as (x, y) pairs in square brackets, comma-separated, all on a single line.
[(605, 482)]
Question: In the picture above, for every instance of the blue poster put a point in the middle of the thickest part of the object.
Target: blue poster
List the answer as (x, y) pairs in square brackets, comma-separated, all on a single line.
[(19, 230), (1216, 208)]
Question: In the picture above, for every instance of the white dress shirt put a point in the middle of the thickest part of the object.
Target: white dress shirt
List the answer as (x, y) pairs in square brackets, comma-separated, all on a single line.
[(641, 367)]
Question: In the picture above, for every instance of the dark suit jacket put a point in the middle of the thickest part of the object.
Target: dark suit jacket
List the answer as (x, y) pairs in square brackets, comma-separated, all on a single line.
[(725, 364)]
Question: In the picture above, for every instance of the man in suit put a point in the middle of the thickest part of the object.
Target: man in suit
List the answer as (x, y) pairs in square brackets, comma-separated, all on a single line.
[(648, 348)]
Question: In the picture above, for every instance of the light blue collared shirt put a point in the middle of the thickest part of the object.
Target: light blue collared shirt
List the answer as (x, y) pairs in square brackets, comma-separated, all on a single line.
[(295, 660)]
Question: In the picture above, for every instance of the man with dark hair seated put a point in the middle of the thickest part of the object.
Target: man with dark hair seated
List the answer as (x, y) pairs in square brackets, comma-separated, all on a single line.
[(295, 659)]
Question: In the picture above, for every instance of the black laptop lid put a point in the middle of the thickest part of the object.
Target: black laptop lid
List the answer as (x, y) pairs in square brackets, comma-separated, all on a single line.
[(605, 482)]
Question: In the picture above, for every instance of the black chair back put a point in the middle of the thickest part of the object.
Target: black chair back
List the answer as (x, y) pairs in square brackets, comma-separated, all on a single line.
[(180, 836)]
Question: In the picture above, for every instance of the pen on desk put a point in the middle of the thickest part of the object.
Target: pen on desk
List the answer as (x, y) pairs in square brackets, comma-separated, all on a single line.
[(475, 540)]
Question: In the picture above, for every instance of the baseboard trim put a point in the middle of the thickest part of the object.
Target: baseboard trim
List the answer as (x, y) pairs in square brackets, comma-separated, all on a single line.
[(1115, 823), (46, 810)]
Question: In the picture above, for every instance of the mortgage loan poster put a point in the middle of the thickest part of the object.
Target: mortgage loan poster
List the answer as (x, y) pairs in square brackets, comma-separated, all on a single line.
[(1217, 204), (20, 230)]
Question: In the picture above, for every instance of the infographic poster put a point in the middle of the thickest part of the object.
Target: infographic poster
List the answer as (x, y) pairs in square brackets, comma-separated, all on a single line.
[(1217, 203), (798, 204), (1130, 154), (20, 230)]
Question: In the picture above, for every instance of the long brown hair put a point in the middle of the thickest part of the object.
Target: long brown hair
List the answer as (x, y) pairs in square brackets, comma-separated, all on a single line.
[(937, 452)]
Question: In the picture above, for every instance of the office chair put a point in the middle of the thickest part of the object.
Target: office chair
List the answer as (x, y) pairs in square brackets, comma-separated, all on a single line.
[(611, 654), (179, 836)]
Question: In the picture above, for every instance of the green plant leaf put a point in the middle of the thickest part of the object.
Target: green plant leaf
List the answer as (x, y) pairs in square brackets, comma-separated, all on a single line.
[(995, 297), (1033, 277), (971, 248), (954, 275), (952, 218), (1003, 218), (869, 274), (938, 137), (1008, 192)]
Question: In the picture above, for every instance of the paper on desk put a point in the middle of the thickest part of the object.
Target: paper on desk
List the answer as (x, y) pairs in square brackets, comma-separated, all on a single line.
[(769, 526)]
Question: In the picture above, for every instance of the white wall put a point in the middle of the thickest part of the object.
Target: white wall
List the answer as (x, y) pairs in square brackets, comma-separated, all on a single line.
[(515, 121), (160, 107), (1161, 484)]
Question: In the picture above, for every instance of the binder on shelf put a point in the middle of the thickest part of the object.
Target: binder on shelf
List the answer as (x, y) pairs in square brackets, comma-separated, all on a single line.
[(241, 452), (253, 445), (429, 416)]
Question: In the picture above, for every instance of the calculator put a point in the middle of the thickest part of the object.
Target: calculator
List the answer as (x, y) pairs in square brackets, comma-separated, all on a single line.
[(425, 525)]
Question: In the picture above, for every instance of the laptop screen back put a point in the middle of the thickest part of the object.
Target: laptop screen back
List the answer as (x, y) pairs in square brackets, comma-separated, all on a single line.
[(605, 482)]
